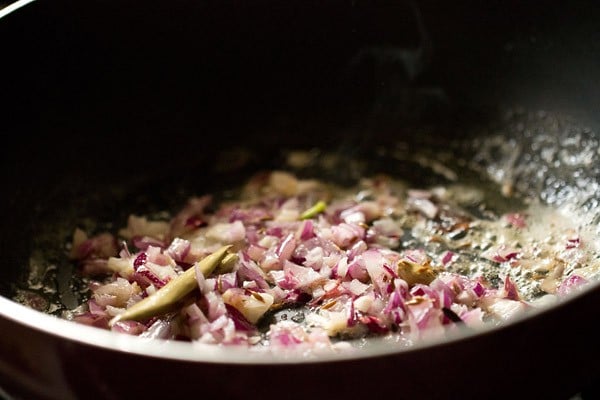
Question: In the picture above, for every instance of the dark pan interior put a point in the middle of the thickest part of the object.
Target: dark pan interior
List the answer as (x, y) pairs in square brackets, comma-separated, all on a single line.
[(114, 107)]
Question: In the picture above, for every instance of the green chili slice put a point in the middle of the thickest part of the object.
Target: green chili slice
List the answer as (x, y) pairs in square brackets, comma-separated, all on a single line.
[(313, 211)]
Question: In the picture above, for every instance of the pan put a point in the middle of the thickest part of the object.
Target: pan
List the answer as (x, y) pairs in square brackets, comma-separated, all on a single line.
[(116, 107)]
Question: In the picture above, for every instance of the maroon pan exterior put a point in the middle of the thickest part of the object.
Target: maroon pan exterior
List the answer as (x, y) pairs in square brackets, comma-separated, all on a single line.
[(549, 356), (98, 94)]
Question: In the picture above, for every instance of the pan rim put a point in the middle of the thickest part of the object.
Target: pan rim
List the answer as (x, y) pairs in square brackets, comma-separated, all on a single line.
[(217, 354), (14, 6)]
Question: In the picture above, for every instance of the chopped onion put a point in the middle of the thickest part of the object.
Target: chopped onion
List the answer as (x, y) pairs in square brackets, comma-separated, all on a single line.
[(380, 261)]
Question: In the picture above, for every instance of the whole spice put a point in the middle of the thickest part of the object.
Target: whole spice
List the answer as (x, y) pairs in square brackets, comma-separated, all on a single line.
[(167, 297)]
